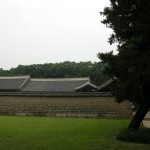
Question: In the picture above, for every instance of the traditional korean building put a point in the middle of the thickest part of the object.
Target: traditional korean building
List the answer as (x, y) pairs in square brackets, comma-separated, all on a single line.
[(27, 84), (62, 97)]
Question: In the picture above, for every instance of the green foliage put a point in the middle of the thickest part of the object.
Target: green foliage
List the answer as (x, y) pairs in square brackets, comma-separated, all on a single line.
[(130, 21), (61, 70), (137, 136)]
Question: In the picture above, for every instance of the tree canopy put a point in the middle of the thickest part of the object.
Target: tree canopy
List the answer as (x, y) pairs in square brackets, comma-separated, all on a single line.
[(65, 69), (130, 22)]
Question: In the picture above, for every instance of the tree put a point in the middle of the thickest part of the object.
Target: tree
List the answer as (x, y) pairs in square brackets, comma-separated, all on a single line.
[(65, 69), (130, 22)]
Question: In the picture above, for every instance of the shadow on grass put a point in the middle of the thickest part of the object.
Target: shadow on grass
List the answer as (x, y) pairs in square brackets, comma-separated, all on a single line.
[(136, 136)]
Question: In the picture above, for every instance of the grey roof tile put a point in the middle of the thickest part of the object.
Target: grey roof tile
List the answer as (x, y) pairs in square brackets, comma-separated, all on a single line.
[(12, 83), (55, 85)]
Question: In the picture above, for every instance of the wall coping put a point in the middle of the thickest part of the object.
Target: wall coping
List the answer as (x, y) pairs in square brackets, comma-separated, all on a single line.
[(57, 94)]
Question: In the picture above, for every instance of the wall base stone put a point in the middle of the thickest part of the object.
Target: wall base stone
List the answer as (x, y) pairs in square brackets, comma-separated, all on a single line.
[(81, 115), (71, 115), (91, 115), (20, 114), (60, 114), (50, 115)]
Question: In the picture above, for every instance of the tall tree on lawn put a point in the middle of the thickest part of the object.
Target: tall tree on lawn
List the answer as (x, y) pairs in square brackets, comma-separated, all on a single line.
[(130, 22)]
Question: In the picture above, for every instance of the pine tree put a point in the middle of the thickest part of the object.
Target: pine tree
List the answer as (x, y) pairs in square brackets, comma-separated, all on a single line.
[(130, 22)]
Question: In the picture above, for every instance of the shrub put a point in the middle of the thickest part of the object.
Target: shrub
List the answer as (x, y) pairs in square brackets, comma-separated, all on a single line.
[(138, 136)]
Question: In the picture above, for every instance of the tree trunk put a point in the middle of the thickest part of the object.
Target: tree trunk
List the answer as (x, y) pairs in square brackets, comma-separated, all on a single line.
[(139, 116)]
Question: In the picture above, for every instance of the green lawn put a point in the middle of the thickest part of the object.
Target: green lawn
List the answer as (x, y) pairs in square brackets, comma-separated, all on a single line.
[(39, 133)]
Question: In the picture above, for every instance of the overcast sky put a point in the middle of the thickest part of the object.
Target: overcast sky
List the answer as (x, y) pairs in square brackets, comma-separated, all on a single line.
[(50, 31)]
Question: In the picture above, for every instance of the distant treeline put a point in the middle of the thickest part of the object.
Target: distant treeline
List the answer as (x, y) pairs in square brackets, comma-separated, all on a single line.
[(61, 70)]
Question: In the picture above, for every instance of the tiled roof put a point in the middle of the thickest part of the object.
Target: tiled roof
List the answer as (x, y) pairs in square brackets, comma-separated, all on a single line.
[(86, 84), (55, 85), (106, 84), (27, 84), (13, 83)]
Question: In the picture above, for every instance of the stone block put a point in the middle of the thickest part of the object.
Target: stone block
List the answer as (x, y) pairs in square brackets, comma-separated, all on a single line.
[(20, 114), (42, 114), (60, 114), (91, 115), (71, 115), (30, 114), (50, 115), (81, 115)]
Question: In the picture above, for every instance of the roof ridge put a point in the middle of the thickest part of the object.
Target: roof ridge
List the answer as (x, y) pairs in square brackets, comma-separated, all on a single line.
[(106, 84), (14, 77), (87, 83), (24, 82), (59, 79)]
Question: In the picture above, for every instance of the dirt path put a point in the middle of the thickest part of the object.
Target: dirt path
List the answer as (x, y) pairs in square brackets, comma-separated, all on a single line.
[(146, 123)]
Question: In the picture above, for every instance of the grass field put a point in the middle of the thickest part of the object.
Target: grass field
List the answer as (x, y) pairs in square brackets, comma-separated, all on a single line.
[(41, 133)]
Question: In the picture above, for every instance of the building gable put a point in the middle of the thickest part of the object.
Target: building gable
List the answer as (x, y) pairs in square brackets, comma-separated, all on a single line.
[(14, 83)]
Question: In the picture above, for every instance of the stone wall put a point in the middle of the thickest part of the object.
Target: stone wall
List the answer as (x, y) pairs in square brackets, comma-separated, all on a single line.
[(89, 107)]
